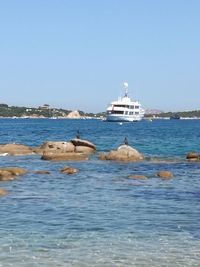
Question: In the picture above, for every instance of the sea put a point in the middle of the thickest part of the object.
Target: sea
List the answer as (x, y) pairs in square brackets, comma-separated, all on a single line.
[(98, 216)]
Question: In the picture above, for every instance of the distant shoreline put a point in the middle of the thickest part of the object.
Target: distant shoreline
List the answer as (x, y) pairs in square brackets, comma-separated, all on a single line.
[(52, 118), (96, 118), (45, 111)]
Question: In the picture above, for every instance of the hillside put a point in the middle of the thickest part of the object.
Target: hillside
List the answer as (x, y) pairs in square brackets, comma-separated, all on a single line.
[(41, 112), (46, 111), (182, 114)]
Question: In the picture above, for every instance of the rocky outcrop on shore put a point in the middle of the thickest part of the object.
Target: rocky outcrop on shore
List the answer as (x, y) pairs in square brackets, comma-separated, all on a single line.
[(123, 153), (74, 115)]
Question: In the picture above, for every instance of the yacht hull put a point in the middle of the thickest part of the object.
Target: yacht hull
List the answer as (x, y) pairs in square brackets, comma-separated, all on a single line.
[(123, 118)]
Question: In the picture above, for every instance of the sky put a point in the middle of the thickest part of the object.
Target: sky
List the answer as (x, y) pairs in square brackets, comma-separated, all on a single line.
[(77, 54)]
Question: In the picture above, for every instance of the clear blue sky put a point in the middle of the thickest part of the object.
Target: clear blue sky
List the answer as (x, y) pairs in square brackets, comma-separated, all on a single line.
[(76, 54)]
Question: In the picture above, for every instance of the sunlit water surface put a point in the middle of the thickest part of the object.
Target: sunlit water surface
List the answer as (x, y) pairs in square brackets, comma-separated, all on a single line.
[(99, 217)]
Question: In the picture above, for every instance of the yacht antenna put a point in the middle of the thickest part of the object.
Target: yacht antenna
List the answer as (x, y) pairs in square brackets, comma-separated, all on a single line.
[(126, 88)]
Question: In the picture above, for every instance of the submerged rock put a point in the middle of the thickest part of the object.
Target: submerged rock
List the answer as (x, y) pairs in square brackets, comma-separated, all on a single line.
[(42, 172), (102, 156), (3, 192), (15, 149), (137, 177), (123, 153), (64, 156), (69, 170), (7, 174), (165, 174), (164, 161)]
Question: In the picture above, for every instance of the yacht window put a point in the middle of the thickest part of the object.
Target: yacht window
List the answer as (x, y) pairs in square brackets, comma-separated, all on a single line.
[(117, 112), (137, 113), (126, 113), (131, 113), (137, 107), (121, 106), (131, 107)]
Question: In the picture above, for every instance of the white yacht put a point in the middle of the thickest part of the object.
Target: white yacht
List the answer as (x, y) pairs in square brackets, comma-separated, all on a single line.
[(124, 109)]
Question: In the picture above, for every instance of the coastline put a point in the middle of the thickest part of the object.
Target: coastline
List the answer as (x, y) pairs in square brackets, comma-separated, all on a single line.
[(95, 118)]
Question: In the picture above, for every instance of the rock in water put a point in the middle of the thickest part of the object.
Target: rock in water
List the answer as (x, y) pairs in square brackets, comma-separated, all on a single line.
[(165, 174), (130, 152), (81, 142), (6, 175), (42, 172), (10, 173), (15, 149), (69, 170), (193, 156), (137, 177), (3, 192), (76, 149), (84, 149), (63, 156), (123, 153), (56, 146)]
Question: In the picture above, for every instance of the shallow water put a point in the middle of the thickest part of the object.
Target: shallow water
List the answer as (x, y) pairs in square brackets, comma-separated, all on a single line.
[(99, 217)]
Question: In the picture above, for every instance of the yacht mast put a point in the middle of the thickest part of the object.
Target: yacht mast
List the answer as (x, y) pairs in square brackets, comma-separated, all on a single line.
[(126, 89)]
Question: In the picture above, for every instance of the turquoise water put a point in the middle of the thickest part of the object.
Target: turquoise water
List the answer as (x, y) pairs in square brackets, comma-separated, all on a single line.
[(99, 217)]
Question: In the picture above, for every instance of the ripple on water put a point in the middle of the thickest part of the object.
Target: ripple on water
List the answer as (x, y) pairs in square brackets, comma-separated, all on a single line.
[(99, 217)]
